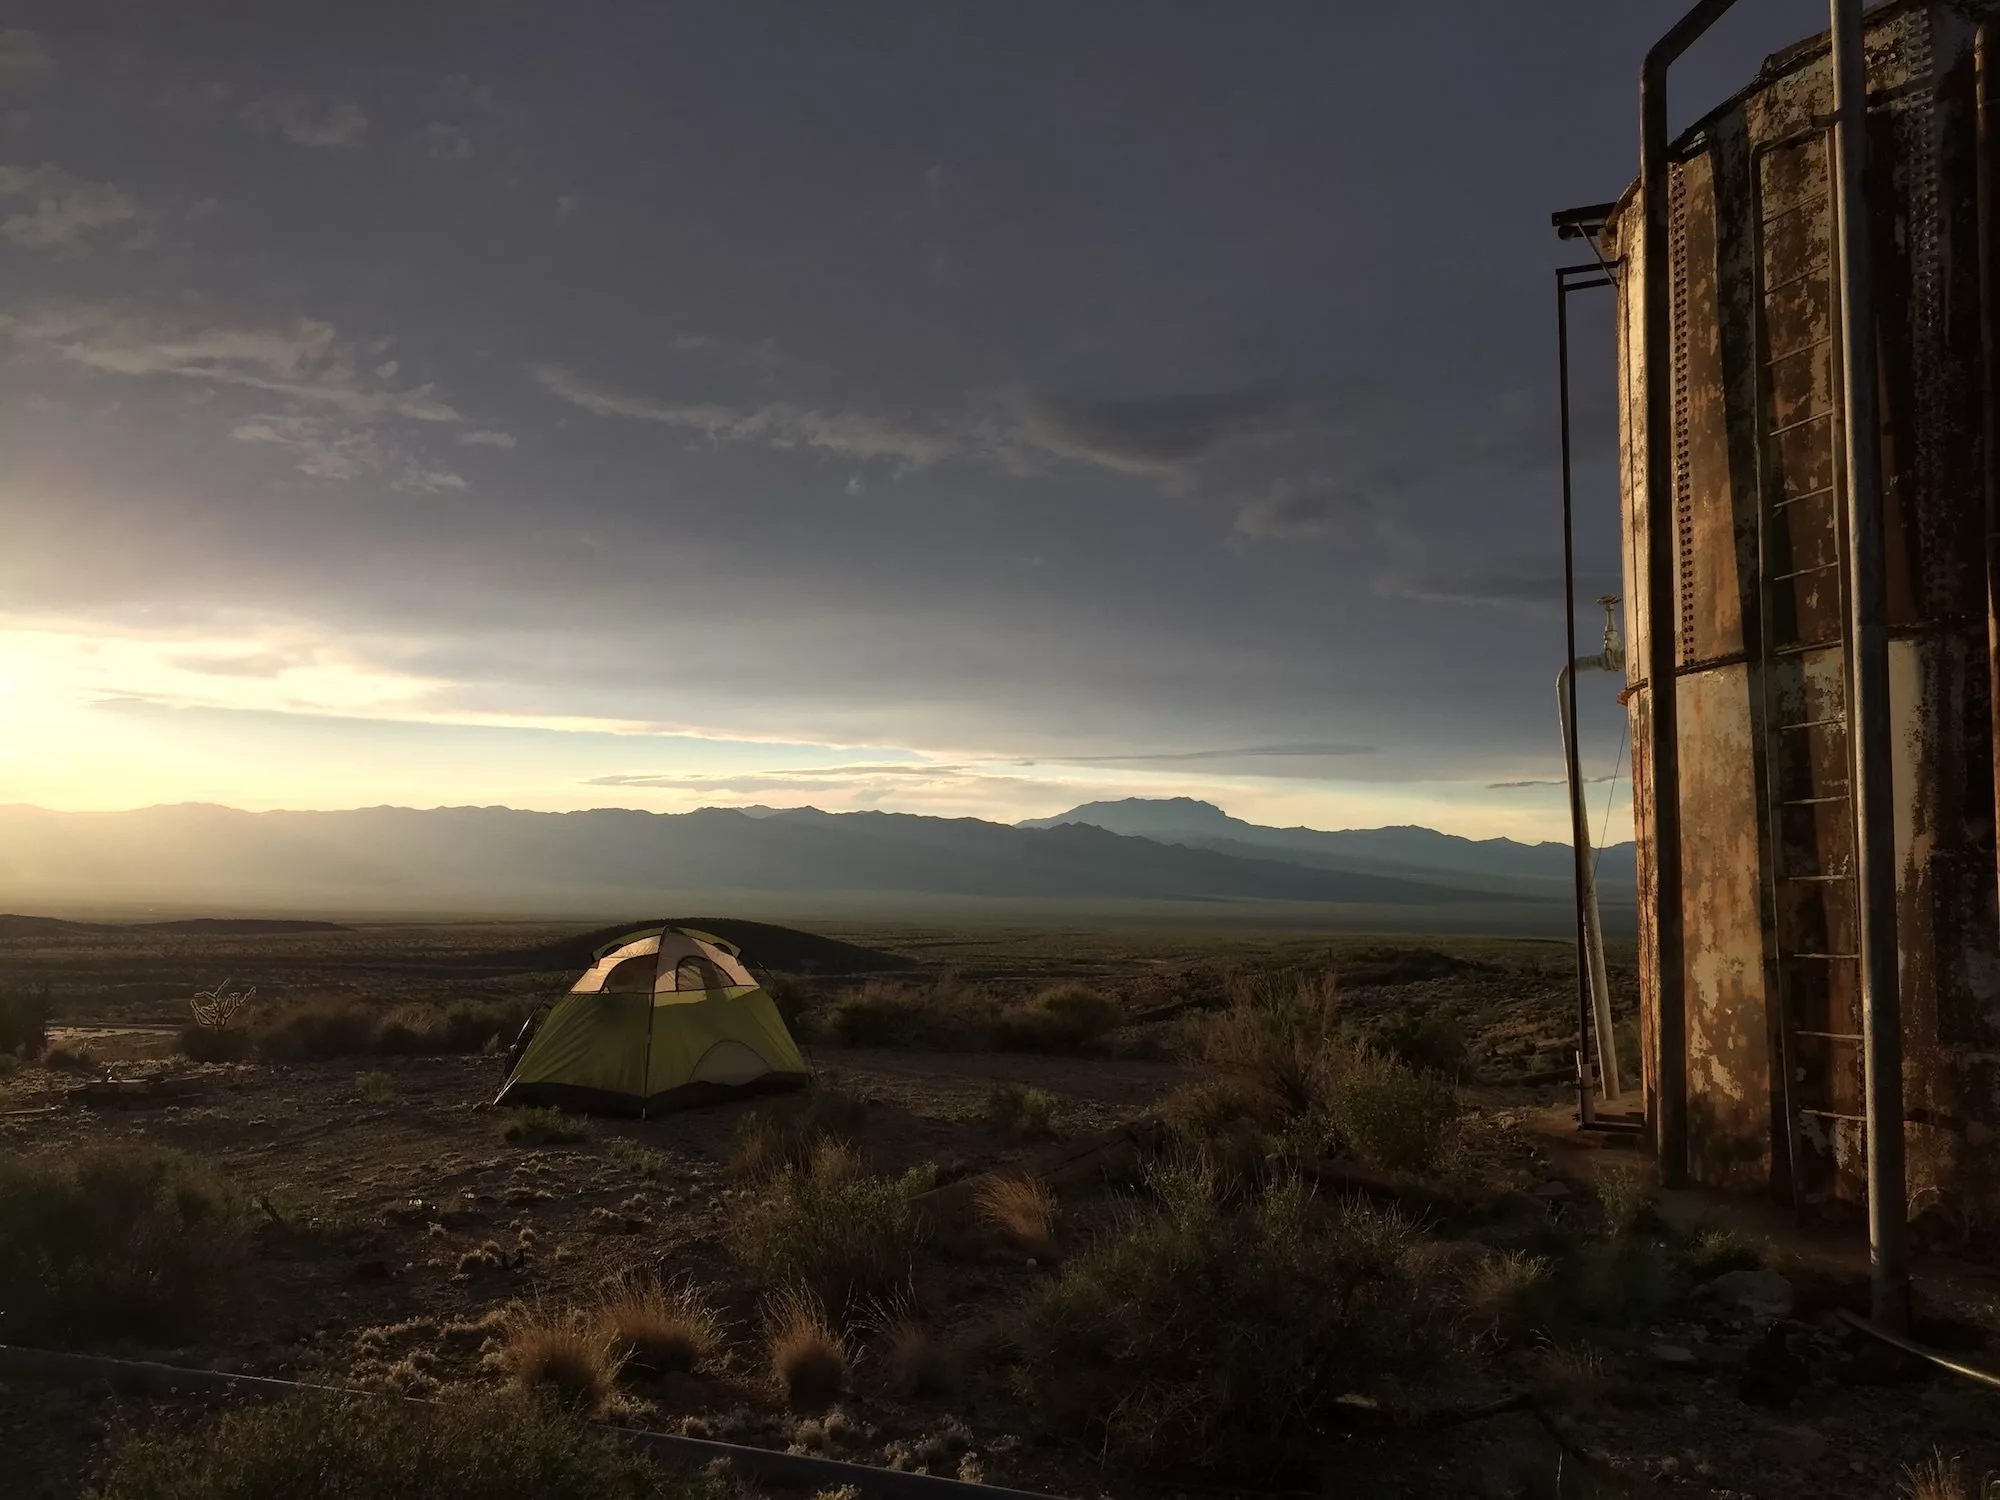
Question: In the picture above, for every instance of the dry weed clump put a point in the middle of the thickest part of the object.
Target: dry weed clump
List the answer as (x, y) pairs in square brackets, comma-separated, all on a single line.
[(843, 1237), (1388, 1114), (546, 1127), (1214, 1336), (562, 1353), (1025, 1210), (641, 1161), (491, 1447), (808, 1356), (129, 1239), (1627, 1200), (662, 1329), (916, 1361), (1021, 1113), (1508, 1296)]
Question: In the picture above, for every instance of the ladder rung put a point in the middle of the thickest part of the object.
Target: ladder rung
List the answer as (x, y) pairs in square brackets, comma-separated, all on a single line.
[(1831, 1114), (1825, 489), (1829, 1036), (1823, 268), (1792, 208), (1793, 426), (1840, 719), (1778, 359), (1801, 572), (1802, 648), (1823, 955), (1814, 801), (1818, 879)]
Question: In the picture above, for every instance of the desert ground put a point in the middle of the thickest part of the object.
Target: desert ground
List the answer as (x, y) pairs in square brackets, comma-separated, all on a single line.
[(1147, 1212)]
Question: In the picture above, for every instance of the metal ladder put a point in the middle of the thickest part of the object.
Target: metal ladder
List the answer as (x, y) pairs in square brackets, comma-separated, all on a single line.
[(1804, 658)]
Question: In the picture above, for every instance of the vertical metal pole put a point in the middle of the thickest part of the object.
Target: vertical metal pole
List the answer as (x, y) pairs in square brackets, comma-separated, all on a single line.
[(1578, 818), (1989, 366), (1868, 704), (1670, 1134)]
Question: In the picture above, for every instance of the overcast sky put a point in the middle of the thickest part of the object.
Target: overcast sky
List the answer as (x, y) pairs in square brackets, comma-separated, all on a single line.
[(946, 407)]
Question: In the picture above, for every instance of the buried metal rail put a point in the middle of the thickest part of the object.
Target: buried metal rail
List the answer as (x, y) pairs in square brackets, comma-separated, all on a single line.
[(1911, 1347), (766, 1464)]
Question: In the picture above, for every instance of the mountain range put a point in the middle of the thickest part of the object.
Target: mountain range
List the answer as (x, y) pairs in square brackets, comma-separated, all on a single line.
[(501, 860)]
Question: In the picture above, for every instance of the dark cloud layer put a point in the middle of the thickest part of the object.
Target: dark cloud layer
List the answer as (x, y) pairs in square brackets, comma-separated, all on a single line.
[(1006, 379)]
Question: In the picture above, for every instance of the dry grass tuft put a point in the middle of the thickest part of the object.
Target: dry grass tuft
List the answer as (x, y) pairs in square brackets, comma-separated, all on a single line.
[(808, 1357), (770, 1140), (662, 1329), (1938, 1477), (546, 1127), (916, 1362), (1021, 1113), (487, 1257), (571, 1357), (1627, 1200), (1025, 1210), (1508, 1296), (845, 1237), (375, 1086)]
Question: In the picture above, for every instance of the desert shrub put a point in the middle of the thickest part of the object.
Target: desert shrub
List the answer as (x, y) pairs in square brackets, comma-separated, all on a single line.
[(323, 1026), (1021, 1113), (793, 994), (10, 1063), (1206, 1110), (327, 1026), (1428, 1040), (915, 1361), (24, 1020), (73, 1058), (546, 1127), (641, 1160), (562, 1353), (1201, 1335), (877, 1015), (662, 1328), (1393, 966), (1388, 1114), (841, 1237), (129, 1240), (787, 1134), (808, 1356), (375, 1086), (1273, 1042), (1025, 1210), (491, 1447), (1066, 1018)]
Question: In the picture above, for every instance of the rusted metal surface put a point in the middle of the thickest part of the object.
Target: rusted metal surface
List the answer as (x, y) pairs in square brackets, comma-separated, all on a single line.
[(1768, 909)]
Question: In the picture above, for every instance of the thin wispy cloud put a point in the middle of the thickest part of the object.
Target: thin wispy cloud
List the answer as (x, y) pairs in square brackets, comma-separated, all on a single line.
[(338, 125), (486, 438), (845, 434), (1150, 435), (53, 211), (444, 144)]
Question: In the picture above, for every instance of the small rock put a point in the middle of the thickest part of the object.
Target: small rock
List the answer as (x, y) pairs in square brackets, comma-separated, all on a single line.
[(1552, 1189), (1799, 1446), (1674, 1356)]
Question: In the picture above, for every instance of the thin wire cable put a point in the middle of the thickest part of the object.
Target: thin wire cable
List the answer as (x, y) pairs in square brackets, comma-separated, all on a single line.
[(1610, 796)]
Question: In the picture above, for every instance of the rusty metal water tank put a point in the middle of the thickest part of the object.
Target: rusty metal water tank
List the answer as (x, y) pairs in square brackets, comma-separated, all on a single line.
[(1770, 1080)]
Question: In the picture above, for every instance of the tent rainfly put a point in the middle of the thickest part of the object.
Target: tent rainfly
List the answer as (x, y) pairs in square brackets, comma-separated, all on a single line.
[(664, 1019)]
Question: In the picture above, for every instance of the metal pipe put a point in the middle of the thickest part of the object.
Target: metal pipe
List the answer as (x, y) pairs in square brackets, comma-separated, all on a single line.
[(1909, 1346), (1579, 823), (766, 1464), (1670, 1136), (1590, 945), (1868, 705)]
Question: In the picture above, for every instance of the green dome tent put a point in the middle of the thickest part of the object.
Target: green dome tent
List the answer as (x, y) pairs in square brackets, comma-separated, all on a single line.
[(665, 1018)]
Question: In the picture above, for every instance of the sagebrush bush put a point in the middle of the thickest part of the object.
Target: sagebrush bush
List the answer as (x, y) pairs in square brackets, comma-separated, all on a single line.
[(787, 1134), (1427, 1040), (126, 1240), (877, 1015), (1627, 1200), (330, 1026), (1273, 1042), (639, 1159), (1204, 1335), (843, 1238), (1388, 1114), (1021, 1113), (24, 1020), (326, 1448)]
